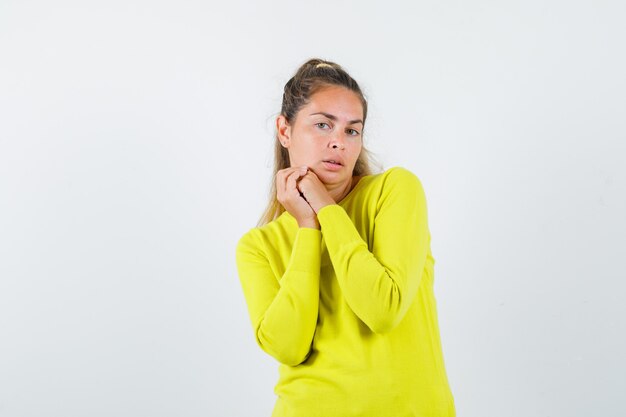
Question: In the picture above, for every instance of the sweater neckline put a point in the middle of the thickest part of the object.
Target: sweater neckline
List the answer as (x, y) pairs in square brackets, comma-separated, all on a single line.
[(352, 191), (342, 201)]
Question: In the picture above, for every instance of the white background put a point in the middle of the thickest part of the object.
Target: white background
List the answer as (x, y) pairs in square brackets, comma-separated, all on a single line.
[(136, 146)]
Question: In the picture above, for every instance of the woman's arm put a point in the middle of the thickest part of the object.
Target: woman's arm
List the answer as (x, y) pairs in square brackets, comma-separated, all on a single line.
[(283, 312), (379, 286)]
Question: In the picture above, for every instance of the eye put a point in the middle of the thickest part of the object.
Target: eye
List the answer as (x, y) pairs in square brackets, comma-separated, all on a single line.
[(354, 132), (321, 123)]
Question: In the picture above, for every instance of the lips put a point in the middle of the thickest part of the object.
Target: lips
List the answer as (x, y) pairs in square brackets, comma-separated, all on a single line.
[(336, 161)]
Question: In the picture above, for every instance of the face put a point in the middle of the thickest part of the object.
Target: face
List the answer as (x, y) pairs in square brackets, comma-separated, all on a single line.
[(329, 127)]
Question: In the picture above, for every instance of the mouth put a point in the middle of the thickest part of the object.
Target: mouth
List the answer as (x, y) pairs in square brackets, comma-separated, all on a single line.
[(331, 161)]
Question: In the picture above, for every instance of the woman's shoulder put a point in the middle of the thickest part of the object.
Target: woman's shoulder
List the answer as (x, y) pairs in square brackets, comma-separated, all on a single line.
[(396, 183), (249, 241), (398, 176), (399, 171), (275, 230)]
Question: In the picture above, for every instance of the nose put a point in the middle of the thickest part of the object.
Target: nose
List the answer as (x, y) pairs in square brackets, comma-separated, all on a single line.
[(337, 141)]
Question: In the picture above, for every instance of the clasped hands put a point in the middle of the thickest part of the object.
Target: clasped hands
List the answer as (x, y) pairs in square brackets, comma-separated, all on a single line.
[(302, 194), (313, 190)]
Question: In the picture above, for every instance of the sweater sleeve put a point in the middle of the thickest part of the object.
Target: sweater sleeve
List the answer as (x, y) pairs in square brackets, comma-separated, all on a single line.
[(379, 286), (283, 312)]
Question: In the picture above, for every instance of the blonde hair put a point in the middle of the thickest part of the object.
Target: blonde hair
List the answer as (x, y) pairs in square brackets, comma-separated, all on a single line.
[(313, 75)]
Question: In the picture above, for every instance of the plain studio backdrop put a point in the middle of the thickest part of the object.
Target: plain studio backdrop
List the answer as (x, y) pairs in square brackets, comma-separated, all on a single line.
[(136, 144)]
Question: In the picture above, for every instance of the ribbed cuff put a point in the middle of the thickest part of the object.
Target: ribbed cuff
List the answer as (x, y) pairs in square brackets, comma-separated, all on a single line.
[(329, 210), (334, 218), (307, 251), (338, 230)]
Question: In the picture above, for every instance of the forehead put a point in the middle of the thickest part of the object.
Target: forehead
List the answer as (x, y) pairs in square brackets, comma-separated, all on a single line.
[(336, 100)]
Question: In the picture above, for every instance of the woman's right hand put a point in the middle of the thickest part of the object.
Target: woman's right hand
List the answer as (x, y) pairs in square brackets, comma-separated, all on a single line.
[(289, 196)]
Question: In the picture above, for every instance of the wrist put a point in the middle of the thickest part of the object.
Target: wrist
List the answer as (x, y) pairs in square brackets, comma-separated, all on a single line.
[(310, 223), (323, 205)]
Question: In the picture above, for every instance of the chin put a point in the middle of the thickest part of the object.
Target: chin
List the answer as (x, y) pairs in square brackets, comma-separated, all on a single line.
[(329, 177)]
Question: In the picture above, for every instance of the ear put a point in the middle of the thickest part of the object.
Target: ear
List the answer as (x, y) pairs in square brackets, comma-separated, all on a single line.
[(284, 130)]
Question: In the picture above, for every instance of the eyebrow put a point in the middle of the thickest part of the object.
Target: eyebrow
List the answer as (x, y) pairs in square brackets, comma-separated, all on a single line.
[(333, 118)]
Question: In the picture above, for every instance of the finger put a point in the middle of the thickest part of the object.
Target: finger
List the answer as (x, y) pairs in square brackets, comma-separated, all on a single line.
[(311, 172), (291, 182), (283, 173), (281, 178), (280, 183)]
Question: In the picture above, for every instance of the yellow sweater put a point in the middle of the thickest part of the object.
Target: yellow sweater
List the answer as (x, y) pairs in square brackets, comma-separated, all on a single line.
[(349, 310)]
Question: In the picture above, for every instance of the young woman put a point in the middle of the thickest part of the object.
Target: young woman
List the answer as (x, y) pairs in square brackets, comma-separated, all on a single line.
[(338, 274)]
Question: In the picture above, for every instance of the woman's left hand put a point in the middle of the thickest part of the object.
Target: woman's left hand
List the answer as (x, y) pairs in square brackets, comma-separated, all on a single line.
[(314, 191)]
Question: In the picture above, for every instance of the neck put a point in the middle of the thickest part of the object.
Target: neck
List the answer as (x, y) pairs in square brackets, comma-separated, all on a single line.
[(339, 191)]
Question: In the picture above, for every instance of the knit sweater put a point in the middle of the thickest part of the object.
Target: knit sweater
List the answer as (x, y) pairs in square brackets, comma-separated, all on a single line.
[(349, 311)]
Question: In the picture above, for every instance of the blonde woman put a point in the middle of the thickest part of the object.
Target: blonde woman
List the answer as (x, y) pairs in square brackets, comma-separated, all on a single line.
[(338, 274)]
